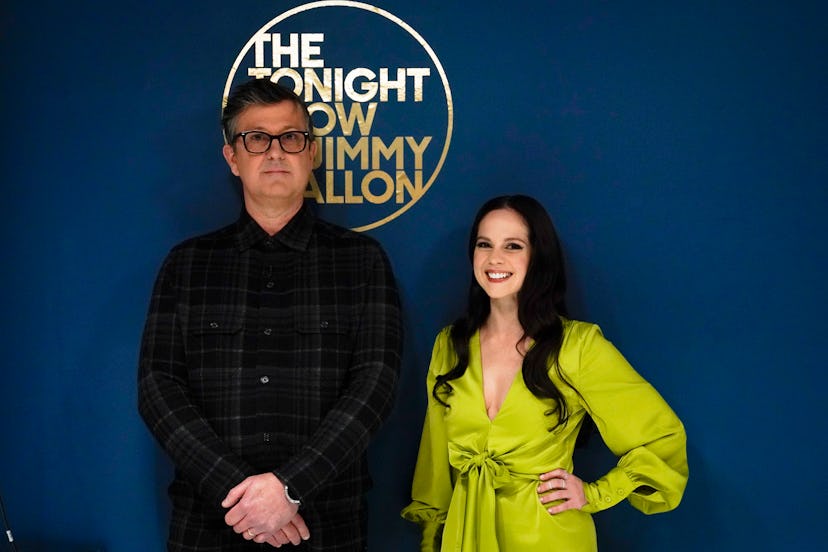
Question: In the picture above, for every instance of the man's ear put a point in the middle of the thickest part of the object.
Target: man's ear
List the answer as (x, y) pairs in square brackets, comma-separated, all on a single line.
[(313, 150), (230, 156)]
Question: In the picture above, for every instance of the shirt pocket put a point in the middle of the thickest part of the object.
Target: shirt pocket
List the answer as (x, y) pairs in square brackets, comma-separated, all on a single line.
[(214, 349), (324, 351)]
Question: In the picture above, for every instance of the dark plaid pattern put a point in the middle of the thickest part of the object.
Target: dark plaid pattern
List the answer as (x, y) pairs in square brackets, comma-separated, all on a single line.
[(275, 354)]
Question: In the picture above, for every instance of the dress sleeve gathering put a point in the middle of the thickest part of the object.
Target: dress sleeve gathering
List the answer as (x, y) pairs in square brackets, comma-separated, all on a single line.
[(636, 424), (432, 486)]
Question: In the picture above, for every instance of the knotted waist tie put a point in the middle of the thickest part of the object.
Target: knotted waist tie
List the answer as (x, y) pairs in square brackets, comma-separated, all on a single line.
[(473, 504)]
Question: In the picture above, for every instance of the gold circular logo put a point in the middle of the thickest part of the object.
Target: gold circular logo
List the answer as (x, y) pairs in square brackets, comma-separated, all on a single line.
[(379, 98)]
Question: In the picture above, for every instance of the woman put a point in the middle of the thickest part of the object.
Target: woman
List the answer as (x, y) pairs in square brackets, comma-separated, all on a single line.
[(510, 385)]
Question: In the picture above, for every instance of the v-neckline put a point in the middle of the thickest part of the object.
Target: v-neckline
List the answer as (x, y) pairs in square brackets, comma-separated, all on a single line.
[(477, 350)]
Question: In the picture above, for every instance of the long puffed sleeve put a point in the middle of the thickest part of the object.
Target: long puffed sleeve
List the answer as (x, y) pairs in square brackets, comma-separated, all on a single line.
[(432, 487), (636, 424)]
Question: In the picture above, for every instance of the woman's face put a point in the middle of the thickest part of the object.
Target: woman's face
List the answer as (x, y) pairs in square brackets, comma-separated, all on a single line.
[(501, 254)]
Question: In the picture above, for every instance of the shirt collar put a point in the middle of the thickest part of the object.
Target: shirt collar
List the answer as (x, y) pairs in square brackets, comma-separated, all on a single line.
[(295, 234)]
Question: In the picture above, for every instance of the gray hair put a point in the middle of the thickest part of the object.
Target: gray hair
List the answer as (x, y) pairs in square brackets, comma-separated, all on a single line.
[(257, 92)]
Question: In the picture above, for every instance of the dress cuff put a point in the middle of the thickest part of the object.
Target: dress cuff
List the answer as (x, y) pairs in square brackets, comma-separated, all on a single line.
[(431, 522), (607, 491)]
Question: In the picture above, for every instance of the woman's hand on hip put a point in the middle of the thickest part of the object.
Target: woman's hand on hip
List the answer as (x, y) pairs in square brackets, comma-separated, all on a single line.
[(563, 488)]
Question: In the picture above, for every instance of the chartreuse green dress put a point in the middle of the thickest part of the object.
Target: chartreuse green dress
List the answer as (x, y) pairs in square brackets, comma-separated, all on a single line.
[(475, 483)]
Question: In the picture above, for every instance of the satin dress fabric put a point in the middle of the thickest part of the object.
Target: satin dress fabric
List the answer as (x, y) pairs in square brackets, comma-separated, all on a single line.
[(476, 478)]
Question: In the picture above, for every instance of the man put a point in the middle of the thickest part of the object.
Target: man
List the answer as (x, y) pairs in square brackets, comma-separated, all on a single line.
[(270, 354)]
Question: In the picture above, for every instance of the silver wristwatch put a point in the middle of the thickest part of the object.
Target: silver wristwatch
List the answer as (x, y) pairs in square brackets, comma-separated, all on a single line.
[(290, 498)]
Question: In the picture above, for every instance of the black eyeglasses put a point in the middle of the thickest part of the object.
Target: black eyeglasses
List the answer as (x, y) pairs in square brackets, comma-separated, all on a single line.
[(256, 141)]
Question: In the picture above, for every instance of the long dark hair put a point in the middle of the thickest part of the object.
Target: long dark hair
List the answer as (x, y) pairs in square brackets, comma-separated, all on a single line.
[(540, 305)]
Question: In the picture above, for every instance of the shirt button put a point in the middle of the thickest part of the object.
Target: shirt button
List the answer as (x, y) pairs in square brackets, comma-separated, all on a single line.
[(270, 284), (264, 379), (324, 324), (214, 325), (268, 331)]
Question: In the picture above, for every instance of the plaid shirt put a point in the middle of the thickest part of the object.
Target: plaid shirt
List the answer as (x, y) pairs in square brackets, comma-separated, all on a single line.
[(271, 354)]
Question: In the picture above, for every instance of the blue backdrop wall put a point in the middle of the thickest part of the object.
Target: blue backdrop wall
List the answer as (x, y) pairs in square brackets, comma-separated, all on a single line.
[(679, 146)]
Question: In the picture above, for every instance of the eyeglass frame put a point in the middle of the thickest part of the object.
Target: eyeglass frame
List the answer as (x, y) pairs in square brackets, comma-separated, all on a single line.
[(277, 137)]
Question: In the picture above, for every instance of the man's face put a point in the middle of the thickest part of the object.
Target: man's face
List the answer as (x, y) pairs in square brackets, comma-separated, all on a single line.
[(273, 179)]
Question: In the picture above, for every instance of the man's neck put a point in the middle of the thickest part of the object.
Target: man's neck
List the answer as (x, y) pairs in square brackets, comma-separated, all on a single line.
[(272, 218)]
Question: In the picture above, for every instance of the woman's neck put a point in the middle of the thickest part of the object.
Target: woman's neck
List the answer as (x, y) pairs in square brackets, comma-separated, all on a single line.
[(503, 322)]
